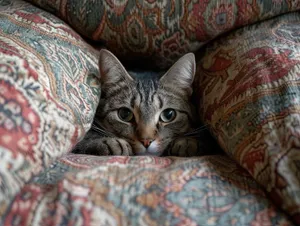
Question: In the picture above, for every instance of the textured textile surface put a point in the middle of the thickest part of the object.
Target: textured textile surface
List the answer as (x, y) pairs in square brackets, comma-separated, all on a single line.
[(48, 92), (161, 31), (250, 90), (93, 190)]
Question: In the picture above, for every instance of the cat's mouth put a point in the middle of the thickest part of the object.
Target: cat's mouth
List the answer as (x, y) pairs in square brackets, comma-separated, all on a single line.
[(154, 149)]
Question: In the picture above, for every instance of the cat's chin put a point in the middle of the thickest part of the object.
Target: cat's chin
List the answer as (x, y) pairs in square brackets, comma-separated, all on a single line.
[(154, 149)]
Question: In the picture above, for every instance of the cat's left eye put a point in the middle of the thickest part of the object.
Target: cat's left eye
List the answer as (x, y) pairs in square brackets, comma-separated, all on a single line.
[(125, 114), (168, 115)]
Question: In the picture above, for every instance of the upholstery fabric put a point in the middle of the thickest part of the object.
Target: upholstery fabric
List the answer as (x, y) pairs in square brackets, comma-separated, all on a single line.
[(93, 190), (161, 31), (249, 92), (49, 91)]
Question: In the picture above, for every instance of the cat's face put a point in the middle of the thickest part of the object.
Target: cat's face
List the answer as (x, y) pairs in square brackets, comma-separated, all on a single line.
[(148, 113)]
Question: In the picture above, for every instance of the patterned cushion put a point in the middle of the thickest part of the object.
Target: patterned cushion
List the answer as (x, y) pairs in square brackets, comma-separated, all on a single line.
[(92, 190), (48, 92), (160, 31), (250, 96)]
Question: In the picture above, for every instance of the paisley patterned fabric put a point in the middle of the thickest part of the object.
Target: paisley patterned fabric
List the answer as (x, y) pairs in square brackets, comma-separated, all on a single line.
[(250, 96), (91, 190), (161, 31), (48, 92)]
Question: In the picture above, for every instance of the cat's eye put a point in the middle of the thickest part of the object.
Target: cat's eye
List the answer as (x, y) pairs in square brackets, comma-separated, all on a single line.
[(168, 115), (125, 114)]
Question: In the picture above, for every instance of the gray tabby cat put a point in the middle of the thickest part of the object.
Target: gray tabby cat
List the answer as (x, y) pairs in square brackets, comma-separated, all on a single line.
[(143, 116)]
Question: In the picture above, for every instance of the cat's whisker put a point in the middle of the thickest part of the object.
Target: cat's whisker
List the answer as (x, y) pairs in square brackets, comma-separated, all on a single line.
[(103, 134), (97, 128), (193, 134), (203, 126), (196, 132), (200, 128), (101, 131)]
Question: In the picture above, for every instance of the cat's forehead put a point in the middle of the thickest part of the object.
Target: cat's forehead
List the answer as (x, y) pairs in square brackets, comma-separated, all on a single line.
[(145, 92), (146, 74), (148, 92)]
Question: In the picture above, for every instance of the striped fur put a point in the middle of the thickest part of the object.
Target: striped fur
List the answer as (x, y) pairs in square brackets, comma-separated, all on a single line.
[(147, 97)]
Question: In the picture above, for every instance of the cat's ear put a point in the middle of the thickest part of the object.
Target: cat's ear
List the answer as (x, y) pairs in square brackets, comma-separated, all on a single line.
[(111, 69), (181, 74)]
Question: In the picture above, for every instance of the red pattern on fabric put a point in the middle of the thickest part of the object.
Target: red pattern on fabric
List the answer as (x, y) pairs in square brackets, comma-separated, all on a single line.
[(20, 129)]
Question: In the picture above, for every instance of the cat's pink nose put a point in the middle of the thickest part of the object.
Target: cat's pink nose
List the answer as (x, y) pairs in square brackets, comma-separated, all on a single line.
[(146, 142)]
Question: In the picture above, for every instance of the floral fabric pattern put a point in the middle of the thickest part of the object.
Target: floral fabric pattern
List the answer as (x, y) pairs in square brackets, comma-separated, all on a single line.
[(161, 31), (48, 92), (249, 93)]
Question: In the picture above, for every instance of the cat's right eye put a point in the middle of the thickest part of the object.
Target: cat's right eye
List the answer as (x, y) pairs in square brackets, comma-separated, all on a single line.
[(125, 114)]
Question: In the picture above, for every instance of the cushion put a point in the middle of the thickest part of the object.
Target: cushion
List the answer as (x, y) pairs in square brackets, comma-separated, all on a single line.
[(249, 92), (116, 190), (48, 92), (159, 32)]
